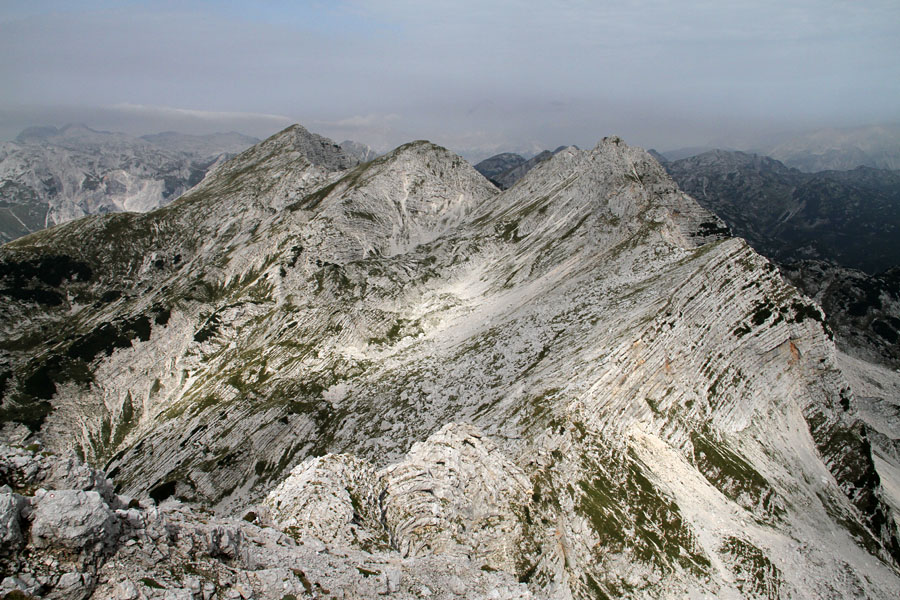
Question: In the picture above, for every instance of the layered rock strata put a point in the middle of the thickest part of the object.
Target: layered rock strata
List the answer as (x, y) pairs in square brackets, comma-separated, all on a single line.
[(581, 383)]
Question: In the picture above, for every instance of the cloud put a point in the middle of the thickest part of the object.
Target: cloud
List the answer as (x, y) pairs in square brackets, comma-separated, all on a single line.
[(140, 119), (210, 116), (370, 120), (660, 72)]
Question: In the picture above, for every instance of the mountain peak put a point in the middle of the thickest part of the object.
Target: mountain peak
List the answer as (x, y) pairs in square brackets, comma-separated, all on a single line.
[(37, 133), (601, 197), (404, 198), (315, 148), (359, 151)]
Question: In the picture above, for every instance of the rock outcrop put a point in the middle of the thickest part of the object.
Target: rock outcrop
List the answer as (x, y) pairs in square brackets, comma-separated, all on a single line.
[(71, 543), (455, 494), (361, 152)]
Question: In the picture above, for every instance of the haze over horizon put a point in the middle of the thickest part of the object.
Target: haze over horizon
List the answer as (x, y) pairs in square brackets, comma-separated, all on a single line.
[(478, 79)]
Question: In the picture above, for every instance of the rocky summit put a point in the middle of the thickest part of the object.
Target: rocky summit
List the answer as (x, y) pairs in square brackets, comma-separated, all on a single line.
[(311, 378)]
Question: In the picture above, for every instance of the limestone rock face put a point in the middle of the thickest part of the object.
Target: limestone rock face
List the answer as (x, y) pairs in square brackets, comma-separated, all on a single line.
[(11, 537), (323, 497), (579, 387), (456, 493), (22, 469), (361, 152), (80, 548), (391, 205), (831, 234)]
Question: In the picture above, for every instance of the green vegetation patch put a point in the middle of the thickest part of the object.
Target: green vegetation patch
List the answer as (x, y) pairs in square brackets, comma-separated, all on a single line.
[(754, 573), (152, 583), (631, 516), (509, 232), (734, 476)]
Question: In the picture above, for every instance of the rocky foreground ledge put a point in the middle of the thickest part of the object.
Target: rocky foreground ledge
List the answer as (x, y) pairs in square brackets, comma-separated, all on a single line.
[(439, 524)]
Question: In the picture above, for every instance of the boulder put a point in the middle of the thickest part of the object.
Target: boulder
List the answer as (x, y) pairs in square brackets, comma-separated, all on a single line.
[(73, 519), (11, 537)]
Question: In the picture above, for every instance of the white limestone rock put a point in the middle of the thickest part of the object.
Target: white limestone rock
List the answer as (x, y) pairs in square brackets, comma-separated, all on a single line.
[(11, 536), (454, 494), (50, 176), (667, 417), (457, 494), (73, 519), (323, 497)]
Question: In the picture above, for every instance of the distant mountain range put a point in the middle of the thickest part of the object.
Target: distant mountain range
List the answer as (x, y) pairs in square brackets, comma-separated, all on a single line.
[(831, 149), (503, 170), (49, 176), (876, 146), (202, 146), (851, 218)]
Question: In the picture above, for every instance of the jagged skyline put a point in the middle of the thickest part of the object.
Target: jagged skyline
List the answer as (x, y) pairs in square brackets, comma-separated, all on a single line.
[(477, 79)]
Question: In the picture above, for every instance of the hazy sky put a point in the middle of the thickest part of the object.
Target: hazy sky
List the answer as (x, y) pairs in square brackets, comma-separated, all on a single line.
[(477, 76)]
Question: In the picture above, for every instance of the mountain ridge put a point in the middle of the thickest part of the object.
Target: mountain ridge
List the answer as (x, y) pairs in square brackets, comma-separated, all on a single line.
[(633, 369)]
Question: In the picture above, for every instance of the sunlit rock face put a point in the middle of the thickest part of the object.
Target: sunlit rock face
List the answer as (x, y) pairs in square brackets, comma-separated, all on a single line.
[(579, 387)]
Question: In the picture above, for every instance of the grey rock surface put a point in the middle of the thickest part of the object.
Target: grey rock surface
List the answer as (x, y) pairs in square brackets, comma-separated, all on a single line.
[(80, 548), (361, 152), (821, 229), (457, 494), (11, 537), (72, 519)]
